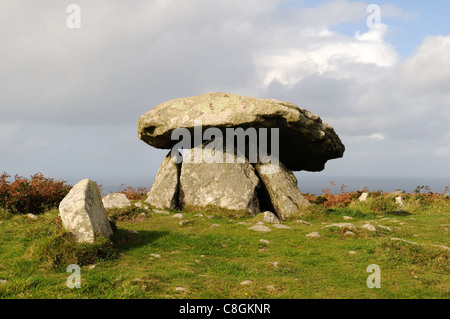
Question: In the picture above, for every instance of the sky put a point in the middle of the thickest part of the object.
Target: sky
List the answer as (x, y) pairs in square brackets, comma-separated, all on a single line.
[(70, 98)]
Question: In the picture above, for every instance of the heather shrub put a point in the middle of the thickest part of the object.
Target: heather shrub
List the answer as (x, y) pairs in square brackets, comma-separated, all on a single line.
[(35, 195), (134, 194)]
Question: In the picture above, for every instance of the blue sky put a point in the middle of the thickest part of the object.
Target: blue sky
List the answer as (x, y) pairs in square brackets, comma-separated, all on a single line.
[(70, 98), (424, 18)]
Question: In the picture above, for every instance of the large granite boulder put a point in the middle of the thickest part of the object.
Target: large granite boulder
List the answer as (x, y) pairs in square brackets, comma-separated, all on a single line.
[(164, 192), (281, 187), (82, 212), (305, 141), (232, 186), (115, 200)]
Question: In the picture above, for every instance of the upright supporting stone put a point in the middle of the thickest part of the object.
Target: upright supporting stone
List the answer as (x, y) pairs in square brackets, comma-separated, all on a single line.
[(82, 212), (232, 186), (164, 192), (282, 189)]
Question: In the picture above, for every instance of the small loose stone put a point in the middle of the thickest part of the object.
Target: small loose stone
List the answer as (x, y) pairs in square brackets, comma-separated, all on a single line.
[(314, 234)]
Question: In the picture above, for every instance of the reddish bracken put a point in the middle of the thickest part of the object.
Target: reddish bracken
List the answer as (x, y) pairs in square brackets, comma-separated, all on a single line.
[(132, 193), (34, 195)]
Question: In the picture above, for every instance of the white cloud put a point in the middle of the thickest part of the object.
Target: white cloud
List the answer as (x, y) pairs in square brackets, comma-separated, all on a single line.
[(428, 70), (328, 55), (377, 136), (129, 57)]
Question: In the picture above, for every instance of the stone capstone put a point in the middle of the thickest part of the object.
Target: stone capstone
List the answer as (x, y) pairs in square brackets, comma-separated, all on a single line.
[(305, 141), (82, 212), (273, 139)]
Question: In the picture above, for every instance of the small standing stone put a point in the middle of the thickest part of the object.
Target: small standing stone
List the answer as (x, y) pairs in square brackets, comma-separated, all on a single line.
[(82, 212), (399, 201), (246, 282), (363, 197)]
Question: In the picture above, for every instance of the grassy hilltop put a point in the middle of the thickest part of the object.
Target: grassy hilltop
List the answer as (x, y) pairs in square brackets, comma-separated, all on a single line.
[(208, 254)]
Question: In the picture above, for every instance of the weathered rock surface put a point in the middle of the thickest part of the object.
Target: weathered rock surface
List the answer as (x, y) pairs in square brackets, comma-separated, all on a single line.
[(165, 189), (305, 141), (399, 201), (344, 226), (282, 189), (232, 186), (369, 227), (116, 200), (260, 228), (270, 217), (363, 197), (313, 234), (82, 212)]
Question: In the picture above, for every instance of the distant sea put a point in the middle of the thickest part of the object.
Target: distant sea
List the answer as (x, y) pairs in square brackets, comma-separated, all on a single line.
[(315, 184)]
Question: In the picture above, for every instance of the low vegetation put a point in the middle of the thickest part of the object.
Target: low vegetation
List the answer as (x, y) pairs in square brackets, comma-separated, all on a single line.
[(208, 254)]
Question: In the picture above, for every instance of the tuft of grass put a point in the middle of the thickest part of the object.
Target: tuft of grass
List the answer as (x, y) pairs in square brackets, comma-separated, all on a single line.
[(218, 211), (150, 257), (62, 249), (398, 253), (130, 213), (5, 214), (57, 247)]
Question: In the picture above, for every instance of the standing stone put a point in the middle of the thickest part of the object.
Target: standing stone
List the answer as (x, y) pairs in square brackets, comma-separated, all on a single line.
[(228, 185), (282, 188), (363, 197), (399, 201), (82, 212), (116, 200), (165, 189)]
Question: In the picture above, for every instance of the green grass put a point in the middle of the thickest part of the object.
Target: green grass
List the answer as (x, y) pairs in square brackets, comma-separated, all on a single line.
[(211, 261)]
